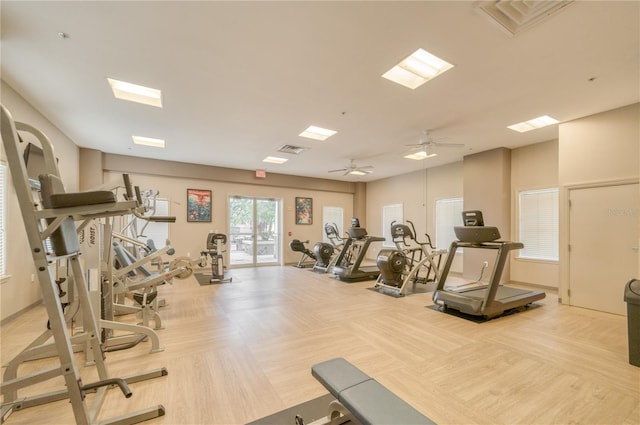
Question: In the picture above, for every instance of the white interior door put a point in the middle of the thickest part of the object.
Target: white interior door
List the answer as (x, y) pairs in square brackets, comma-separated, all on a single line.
[(603, 239)]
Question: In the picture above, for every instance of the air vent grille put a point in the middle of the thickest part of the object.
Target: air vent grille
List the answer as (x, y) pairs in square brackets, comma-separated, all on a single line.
[(515, 16), (293, 150)]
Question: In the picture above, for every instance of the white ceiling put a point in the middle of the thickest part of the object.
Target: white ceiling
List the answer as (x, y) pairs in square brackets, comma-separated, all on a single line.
[(240, 79)]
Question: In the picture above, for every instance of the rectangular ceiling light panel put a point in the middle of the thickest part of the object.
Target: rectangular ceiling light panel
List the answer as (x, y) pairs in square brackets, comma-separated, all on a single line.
[(533, 124), (135, 93), (148, 141), (317, 133), (275, 160), (415, 70)]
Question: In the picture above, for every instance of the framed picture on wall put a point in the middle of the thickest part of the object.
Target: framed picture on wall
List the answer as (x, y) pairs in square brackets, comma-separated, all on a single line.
[(198, 205), (304, 210)]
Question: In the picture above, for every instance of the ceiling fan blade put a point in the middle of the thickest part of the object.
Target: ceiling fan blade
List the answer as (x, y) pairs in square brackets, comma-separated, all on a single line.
[(340, 169), (448, 145), (364, 167)]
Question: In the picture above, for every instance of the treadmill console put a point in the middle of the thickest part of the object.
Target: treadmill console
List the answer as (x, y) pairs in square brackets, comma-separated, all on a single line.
[(472, 218), (474, 230)]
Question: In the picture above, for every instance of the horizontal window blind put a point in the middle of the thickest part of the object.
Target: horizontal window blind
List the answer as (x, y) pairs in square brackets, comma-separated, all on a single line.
[(3, 218), (448, 215), (332, 215), (390, 213), (158, 232), (538, 224)]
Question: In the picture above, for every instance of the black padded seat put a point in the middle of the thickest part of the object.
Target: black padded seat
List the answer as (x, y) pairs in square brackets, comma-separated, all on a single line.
[(368, 400), (67, 200), (54, 195)]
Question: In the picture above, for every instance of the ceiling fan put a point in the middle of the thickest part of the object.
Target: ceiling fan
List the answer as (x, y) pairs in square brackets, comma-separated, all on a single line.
[(425, 148), (352, 168)]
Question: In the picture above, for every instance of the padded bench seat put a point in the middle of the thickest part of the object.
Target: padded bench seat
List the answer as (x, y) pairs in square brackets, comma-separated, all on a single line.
[(368, 400)]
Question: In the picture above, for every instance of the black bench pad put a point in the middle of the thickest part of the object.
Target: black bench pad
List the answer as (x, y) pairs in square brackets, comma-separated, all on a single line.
[(368, 400)]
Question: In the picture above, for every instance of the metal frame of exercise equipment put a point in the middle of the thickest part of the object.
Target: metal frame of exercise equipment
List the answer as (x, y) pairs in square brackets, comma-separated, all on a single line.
[(40, 224)]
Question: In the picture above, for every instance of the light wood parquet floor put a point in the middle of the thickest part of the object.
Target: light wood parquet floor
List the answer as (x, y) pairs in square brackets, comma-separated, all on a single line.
[(239, 351)]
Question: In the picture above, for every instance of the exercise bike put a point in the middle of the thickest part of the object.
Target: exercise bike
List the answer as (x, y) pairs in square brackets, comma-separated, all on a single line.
[(298, 246), (327, 253), (215, 242), (403, 266)]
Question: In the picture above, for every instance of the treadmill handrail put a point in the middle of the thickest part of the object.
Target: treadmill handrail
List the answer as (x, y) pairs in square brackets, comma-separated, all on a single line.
[(503, 247)]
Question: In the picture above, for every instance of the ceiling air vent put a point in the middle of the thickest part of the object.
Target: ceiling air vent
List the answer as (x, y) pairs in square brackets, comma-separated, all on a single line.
[(293, 150), (514, 16)]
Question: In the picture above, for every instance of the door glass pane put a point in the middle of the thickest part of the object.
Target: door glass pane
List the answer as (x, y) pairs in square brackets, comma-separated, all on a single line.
[(267, 235), (240, 230)]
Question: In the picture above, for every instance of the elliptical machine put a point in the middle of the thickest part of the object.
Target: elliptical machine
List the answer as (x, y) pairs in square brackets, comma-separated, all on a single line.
[(401, 266), (298, 246), (215, 242), (325, 253)]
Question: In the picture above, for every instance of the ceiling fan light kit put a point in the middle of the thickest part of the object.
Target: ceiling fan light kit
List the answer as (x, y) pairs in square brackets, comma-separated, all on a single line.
[(425, 147)]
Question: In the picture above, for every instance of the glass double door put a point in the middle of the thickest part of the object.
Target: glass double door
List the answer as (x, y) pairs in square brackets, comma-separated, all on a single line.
[(254, 229)]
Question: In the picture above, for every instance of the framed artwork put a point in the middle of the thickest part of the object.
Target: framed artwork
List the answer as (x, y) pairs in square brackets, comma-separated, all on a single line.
[(304, 210), (198, 205)]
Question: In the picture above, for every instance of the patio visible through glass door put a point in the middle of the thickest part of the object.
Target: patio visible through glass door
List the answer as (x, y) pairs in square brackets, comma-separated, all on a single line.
[(254, 231)]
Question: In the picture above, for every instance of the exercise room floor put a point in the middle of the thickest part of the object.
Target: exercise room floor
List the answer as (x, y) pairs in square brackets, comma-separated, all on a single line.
[(240, 351)]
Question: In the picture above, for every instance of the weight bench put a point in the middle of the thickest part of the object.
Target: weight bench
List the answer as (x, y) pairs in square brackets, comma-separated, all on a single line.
[(363, 397)]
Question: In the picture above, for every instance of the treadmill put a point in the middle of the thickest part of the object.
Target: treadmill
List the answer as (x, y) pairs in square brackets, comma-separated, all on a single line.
[(355, 248), (491, 300)]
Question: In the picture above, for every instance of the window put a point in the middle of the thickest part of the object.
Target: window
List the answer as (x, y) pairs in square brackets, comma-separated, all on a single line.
[(157, 231), (3, 218), (332, 215), (390, 213), (538, 212), (448, 215)]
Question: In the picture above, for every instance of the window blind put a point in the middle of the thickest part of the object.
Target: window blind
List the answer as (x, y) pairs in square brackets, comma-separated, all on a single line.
[(332, 215), (538, 224), (448, 215), (158, 232), (3, 218), (390, 213)]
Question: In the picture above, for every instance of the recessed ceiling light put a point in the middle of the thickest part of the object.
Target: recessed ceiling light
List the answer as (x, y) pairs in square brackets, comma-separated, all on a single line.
[(420, 67), (421, 155), (317, 133), (533, 124), (148, 141), (135, 93), (275, 160)]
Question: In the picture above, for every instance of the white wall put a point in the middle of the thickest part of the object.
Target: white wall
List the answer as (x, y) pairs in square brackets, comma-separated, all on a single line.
[(417, 192), (533, 167), (444, 182), (188, 237), (17, 292), (600, 148), (410, 190)]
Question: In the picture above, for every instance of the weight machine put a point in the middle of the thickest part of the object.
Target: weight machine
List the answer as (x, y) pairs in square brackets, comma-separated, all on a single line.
[(53, 216)]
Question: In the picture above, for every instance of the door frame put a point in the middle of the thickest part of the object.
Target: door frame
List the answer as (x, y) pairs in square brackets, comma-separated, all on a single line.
[(278, 234), (565, 190)]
